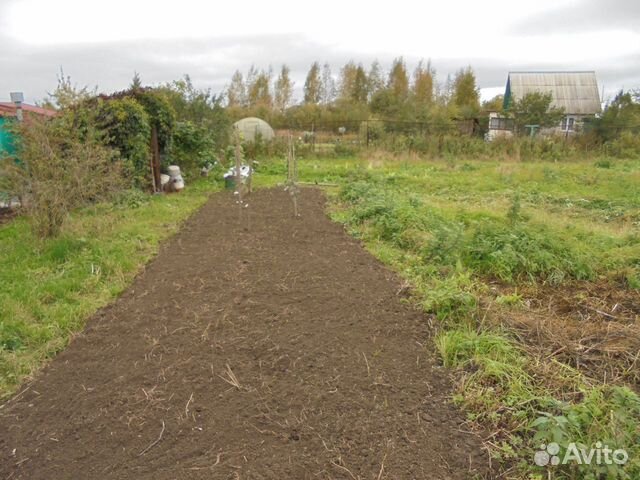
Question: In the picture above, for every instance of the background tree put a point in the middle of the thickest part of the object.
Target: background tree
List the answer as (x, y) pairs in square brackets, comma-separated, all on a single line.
[(328, 92), (347, 81), (423, 84), (535, 109), (283, 89), (249, 80), (375, 79), (353, 84), (313, 85), (259, 91), (466, 95), (393, 100), (621, 115), (496, 104), (444, 91), (399, 80), (361, 86), (67, 94), (237, 93), (136, 82)]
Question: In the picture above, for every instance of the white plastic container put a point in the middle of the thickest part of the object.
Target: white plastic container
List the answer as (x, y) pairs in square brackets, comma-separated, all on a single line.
[(176, 182)]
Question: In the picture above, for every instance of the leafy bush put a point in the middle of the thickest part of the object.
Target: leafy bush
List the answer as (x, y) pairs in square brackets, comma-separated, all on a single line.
[(192, 146), (126, 126), (200, 107), (161, 114), (627, 145)]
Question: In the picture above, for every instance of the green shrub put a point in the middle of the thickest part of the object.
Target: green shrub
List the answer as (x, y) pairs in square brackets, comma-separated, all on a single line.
[(627, 145), (127, 130), (192, 146), (161, 114)]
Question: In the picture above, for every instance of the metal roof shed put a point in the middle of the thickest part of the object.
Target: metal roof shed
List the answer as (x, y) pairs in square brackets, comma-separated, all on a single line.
[(575, 92)]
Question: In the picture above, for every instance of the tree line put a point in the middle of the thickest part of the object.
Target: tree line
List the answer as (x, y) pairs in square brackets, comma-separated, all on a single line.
[(355, 93)]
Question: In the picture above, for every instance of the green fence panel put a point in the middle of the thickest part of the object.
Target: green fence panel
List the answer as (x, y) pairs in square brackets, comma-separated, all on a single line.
[(7, 143)]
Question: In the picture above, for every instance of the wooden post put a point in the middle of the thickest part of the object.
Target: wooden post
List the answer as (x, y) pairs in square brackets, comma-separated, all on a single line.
[(238, 173), (366, 124), (155, 161), (292, 175)]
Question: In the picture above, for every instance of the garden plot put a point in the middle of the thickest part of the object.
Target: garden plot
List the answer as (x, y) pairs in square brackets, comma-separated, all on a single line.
[(279, 351)]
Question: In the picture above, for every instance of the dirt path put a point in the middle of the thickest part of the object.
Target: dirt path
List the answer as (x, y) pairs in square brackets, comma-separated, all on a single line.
[(332, 381)]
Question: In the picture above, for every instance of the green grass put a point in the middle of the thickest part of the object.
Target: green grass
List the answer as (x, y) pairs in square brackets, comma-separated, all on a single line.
[(48, 288), (452, 229)]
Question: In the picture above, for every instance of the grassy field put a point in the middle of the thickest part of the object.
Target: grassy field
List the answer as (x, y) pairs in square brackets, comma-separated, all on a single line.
[(49, 288), (530, 274)]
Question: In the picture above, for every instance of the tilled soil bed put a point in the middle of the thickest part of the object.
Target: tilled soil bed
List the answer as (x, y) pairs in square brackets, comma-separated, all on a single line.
[(281, 351)]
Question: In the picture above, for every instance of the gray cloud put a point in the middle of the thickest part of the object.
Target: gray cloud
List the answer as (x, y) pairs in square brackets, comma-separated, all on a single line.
[(212, 61), (583, 16)]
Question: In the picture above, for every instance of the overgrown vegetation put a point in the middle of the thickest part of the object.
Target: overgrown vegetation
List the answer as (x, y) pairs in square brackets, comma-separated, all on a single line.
[(465, 236)]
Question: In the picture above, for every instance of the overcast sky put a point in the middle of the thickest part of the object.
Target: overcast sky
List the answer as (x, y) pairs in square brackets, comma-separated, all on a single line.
[(101, 43)]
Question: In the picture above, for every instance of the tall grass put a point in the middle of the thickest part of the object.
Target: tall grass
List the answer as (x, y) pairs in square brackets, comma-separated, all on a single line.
[(451, 233), (487, 244), (48, 288)]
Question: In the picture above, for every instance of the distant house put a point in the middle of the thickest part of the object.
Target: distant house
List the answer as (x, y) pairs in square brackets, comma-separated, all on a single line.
[(8, 114), (575, 92)]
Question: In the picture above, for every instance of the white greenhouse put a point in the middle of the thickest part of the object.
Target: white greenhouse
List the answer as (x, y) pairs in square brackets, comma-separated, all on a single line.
[(251, 126)]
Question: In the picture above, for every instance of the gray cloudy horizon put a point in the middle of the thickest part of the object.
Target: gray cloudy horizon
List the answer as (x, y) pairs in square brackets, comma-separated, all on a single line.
[(102, 44)]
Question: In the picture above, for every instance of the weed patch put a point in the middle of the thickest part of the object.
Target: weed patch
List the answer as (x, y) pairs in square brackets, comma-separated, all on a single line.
[(452, 251)]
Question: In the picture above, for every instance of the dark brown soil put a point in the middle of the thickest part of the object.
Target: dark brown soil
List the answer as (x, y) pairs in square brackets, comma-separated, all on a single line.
[(7, 214), (332, 376)]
